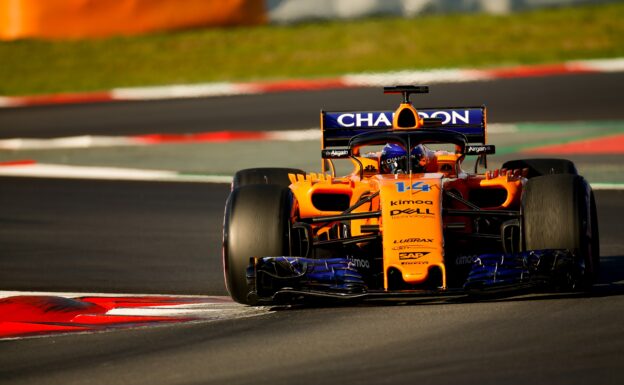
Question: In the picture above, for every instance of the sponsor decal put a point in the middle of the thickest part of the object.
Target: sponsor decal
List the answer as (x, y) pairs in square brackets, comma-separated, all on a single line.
[(384, 119), (410, 202), (407, 247), (452, 117), (412, 254), (464, 260), (361, 263), (413, 240), (365, 119), (476, 150), (416, 186), (415, 263), (336, 153), (416, 211)]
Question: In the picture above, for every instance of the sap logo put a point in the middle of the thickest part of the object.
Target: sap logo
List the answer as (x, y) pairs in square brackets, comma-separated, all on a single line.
[(413, 240), (367, 119), (448, 116), (416, 186), (412, 254), (411, 212), (410, 202)]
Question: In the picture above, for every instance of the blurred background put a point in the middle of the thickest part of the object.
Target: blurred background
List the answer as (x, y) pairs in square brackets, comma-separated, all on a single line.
[(85, 45), (122, 123)]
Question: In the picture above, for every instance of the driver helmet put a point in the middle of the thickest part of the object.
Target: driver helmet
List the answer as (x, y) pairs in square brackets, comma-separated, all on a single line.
[(393, 159)]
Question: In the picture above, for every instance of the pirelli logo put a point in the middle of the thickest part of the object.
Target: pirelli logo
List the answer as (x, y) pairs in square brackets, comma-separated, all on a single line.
[(412, 254)]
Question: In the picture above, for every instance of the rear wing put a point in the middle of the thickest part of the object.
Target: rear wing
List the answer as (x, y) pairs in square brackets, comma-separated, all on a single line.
[(337, 128)]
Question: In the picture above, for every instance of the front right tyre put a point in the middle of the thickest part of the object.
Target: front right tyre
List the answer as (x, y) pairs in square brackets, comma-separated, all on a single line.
[(559, 212)]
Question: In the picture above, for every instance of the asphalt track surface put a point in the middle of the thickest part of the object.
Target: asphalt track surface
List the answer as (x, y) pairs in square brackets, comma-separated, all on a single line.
[(569, 98), (62, 235)]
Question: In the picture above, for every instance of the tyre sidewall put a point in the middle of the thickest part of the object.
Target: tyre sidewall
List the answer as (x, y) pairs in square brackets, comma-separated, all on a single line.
[(256, 224), (556, 212)]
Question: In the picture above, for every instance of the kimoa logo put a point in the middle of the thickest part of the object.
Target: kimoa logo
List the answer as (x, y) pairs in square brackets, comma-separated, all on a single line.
[(362, 263), (464, 260), (410, 202)]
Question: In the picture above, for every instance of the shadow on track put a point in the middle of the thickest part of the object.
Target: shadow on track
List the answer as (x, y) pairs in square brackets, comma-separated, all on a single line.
[(611, 280)]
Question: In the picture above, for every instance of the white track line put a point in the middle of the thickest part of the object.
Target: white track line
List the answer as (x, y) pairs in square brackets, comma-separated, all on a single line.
[(106, 173), (414, 77), (91, 141), (201, 309), (85, 141), (607, 186), (70, 294), (431, 76), (179, 91), (601, 65)]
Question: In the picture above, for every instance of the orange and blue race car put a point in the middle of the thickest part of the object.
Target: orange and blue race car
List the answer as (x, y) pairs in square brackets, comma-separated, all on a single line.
[(406, 220)]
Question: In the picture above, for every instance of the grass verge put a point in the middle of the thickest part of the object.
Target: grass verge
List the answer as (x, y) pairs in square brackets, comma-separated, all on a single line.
[(312, 50)]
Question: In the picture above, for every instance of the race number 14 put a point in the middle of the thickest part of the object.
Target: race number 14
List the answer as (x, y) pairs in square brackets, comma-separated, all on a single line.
[(416, 186)]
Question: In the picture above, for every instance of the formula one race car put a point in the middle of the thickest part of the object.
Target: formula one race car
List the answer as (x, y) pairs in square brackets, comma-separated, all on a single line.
[(407, 220)]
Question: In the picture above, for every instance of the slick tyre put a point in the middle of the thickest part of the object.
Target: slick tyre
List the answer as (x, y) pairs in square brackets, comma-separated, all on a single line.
[(559, 213), (267, 175), (257, 223), (544, 166)]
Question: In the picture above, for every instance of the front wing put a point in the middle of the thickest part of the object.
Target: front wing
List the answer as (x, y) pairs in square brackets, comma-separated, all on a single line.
[(284, 279)]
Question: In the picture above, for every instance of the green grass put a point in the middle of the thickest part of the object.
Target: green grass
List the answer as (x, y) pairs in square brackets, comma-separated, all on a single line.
[(312, 50)]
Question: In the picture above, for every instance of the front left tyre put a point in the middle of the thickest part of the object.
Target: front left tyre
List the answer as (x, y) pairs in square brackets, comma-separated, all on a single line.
[(256, 224)]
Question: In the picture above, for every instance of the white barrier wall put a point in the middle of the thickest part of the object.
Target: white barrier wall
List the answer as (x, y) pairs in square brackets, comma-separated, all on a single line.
[(290, 11)]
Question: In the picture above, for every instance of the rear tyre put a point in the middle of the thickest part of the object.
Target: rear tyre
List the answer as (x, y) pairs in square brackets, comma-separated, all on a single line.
[(266, 175), (544, 166), (558, 213), (257, 224)]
